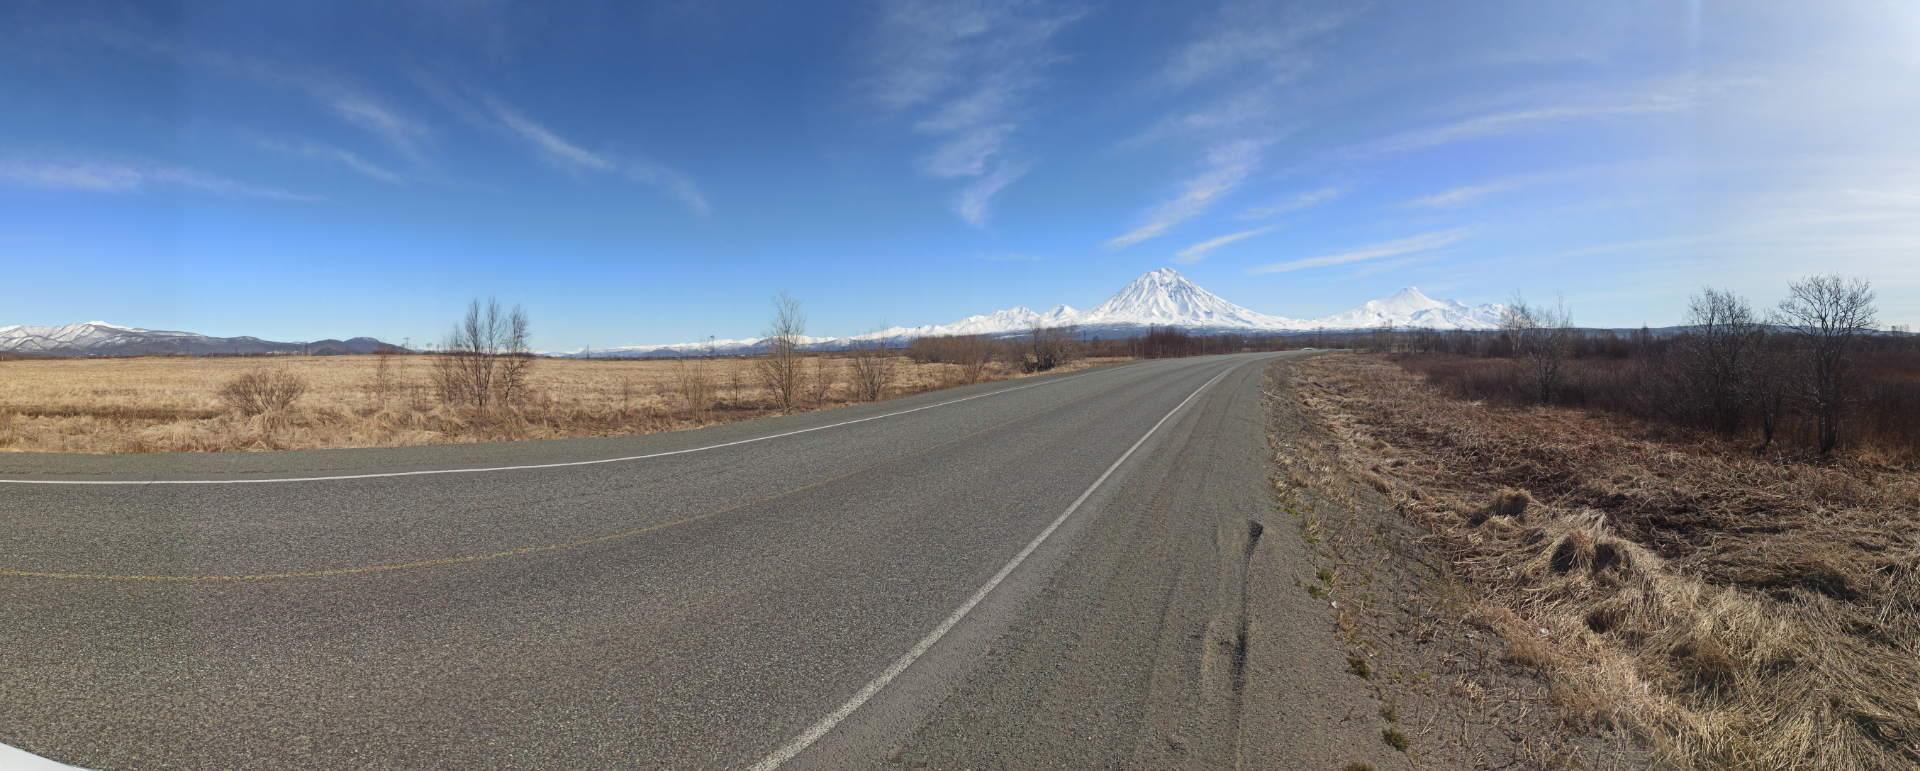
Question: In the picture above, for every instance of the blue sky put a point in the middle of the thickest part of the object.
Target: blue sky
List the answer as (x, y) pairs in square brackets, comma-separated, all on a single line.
[(650, 173)]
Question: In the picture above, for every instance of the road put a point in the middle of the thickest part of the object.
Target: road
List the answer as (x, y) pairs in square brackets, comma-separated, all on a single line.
[(807, 591)]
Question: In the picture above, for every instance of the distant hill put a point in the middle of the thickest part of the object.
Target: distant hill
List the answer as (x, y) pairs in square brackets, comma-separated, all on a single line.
[(98, 338)]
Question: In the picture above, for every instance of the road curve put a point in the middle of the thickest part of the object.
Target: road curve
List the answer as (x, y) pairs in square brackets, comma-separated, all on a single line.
[(693, 600)]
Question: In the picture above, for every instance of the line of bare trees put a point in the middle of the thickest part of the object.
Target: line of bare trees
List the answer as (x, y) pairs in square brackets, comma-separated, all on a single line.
[(1730, 369)]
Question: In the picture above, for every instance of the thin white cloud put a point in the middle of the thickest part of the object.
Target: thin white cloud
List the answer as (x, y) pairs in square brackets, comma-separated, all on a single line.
[(403, 134), (555, 148), (1460, 196), (576, 158), (966, 70), (1418, 243), (1198, 252), (1304, 200), (1242, 58), (1227, 166), (1521, 120), (966, 155), (335, 154), (1250, 34), (671, 181), (974, 200), (115, 178)]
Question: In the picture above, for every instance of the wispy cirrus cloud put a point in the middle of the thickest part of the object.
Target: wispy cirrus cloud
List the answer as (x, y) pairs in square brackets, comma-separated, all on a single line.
[(403, 134), (1241, 60), (1198, 252), (1226, 167), (973, 202), (101, 177), (1419, 243), (1306, 200), (573, 157), (966, 70), (1660, 101), (344, 157), (1264, 37), (553, 147)]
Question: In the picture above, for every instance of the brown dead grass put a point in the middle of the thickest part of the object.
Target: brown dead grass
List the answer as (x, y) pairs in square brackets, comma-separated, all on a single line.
[(1732, 610), (174, 405)]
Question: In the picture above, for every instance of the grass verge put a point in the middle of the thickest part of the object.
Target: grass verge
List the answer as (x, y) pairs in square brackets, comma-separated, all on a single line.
[(1731, 610)]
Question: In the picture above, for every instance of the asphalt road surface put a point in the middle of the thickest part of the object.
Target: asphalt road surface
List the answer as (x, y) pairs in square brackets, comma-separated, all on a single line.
[(809, 591)]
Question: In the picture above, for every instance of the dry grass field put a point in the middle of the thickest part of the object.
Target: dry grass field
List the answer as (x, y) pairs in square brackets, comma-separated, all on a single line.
[(174, 404), (1734, 610)]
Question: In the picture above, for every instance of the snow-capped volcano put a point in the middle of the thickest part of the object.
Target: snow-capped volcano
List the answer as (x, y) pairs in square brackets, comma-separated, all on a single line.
[(1160, 298), (1409, 308), (1166, 298)]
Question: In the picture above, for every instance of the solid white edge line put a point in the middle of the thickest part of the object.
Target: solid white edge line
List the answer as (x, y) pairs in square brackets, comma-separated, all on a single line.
[(485, 469), (805, 740), (16, 759)]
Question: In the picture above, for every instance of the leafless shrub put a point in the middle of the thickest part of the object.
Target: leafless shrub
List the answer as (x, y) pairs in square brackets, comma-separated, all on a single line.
[(486, 358), (694, 382), (384, 382), (780, 369), (262, 391), (1048, 347), (820, 382), (872, 369)]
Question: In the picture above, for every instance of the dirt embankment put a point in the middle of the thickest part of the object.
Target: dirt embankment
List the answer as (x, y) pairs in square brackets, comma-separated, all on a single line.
[(1726, 609)]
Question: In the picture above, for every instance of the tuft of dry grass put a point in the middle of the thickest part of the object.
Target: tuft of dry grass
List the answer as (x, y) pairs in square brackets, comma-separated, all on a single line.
[(167, 404), (1733, 610)]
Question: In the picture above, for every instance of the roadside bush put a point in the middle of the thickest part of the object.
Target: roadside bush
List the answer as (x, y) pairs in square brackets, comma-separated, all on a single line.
[(262, 391)]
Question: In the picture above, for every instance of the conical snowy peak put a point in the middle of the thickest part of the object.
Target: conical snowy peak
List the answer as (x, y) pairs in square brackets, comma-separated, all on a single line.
[(1164, 297)]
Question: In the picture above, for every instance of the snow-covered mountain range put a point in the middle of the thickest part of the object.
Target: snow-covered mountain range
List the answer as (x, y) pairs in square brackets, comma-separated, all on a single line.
[(1160, 298), (98, 338)]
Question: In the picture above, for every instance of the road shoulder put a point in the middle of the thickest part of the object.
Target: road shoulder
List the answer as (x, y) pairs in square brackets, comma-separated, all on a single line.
[(1446, 691)]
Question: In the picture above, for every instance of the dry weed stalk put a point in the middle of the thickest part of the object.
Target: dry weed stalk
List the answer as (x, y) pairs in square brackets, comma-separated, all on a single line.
[(1735, 612)]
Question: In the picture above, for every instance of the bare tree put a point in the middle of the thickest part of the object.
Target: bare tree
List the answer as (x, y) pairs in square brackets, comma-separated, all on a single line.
[(485, 359), (872, 369), (1827, 314), (780, 370), (1544, 337), (1049, 347), (1722, 347)]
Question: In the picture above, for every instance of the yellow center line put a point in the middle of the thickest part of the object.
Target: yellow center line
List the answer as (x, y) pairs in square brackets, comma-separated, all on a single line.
[(535, 549)]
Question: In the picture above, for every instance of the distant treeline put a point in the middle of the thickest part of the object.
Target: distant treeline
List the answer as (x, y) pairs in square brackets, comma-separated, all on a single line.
[(1813, 374)]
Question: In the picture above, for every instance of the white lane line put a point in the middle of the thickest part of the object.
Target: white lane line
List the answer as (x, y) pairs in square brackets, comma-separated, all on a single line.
[(485, 469), (16, 759), (827, 723)]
